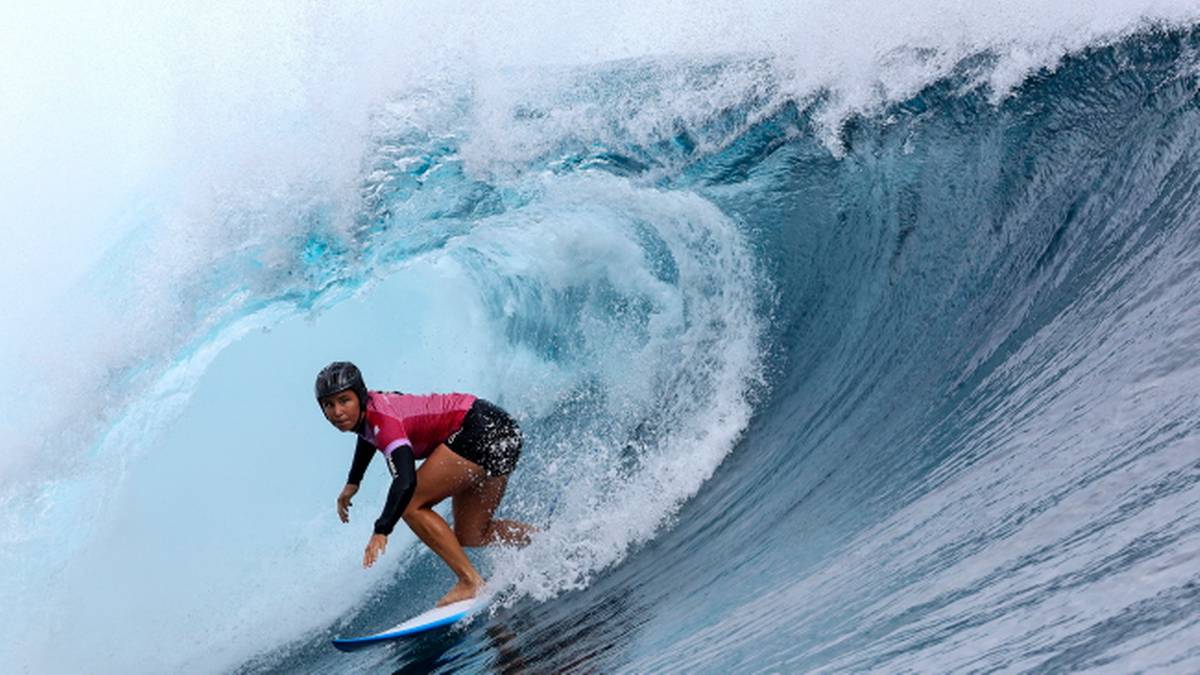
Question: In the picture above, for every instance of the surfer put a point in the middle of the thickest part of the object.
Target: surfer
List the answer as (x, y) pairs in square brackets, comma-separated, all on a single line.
[(469, 445)]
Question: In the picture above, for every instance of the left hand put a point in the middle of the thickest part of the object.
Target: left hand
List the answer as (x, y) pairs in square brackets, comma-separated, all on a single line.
[(375, 548), (344, 503)]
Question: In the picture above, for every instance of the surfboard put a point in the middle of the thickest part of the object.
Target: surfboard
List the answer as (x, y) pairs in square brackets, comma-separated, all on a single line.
[(438, 617)]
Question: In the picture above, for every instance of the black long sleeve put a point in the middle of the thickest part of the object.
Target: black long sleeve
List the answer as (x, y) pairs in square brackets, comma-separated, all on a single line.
[(404, 482), (363, 452)]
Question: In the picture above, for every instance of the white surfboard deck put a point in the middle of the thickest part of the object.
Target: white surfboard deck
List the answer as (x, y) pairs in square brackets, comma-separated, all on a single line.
[(438, 617)]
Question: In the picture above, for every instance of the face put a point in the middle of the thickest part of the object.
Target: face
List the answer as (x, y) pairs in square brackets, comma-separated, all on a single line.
[(341, 409)]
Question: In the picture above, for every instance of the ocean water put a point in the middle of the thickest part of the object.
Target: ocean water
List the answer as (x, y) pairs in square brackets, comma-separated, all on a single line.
[(844, 338)]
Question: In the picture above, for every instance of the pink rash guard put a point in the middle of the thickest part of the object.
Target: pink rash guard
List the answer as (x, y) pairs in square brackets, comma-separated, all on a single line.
[(421, 422)]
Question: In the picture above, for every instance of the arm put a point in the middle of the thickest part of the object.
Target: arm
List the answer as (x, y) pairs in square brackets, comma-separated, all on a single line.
[(392, 438), (363, 452), (404, 482)]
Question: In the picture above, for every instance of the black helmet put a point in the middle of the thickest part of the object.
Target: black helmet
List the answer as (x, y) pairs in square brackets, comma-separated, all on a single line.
[(340, 376)]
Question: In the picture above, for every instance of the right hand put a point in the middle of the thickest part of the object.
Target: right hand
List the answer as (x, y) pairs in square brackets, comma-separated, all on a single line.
[(343, 502)]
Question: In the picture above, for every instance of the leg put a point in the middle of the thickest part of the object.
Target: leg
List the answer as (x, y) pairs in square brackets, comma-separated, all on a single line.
[(444, 474), (474, 524)]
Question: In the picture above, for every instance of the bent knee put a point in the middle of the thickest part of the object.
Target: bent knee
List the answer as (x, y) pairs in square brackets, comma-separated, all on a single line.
[(412, 511)]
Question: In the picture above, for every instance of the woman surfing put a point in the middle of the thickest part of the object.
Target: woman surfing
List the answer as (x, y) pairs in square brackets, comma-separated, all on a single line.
[(469, 445)]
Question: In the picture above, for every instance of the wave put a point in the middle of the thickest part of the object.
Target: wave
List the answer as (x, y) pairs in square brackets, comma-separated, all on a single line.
[(816, 374)]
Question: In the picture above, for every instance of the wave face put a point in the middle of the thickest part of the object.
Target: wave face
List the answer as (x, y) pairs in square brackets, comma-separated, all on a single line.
[(985, 452), (813, 378)]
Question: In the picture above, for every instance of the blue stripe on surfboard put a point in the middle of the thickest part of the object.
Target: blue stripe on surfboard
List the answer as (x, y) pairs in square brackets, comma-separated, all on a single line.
[(346, 644)]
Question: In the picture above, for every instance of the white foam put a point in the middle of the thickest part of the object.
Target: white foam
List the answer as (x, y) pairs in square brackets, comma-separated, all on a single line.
[(691, 371)]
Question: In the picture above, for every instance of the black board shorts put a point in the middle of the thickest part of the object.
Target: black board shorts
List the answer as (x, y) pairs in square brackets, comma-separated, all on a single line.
[(489, 437)]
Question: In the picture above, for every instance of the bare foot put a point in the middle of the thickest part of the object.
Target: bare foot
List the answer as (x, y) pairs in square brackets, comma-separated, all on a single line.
[(463, 590)]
